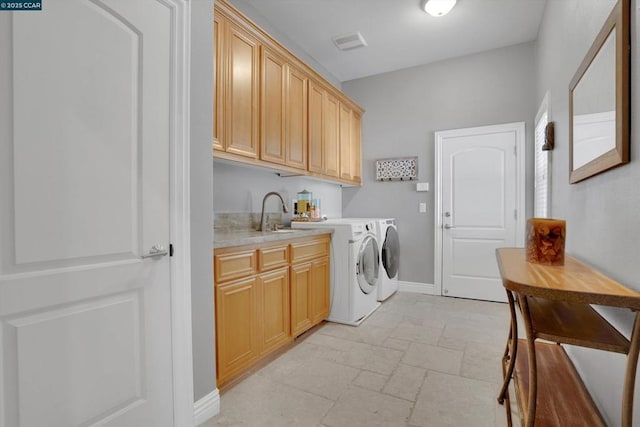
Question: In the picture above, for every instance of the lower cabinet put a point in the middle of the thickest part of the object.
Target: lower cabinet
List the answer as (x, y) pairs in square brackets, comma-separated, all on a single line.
[(309, 294), (279, 297), (273, 310), (236, 327)]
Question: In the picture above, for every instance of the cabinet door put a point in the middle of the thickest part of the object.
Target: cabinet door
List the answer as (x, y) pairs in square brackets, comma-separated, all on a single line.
[(356, 147), (241, 92), (330, 119), (300, 298), (218, 78), (274, 325), (237, 337), (272, 124), (316, 145), (296, 135), (320, 298), (344, 142)]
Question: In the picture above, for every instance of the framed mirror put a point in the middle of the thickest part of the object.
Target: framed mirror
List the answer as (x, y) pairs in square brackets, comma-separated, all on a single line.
[(599, 100)]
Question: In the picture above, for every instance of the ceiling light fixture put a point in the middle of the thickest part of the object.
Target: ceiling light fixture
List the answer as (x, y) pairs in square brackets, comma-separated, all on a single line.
[(438, 8)]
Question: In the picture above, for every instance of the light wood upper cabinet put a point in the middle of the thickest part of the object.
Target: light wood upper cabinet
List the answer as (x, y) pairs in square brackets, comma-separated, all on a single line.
[(272, 110), (345, 142), (356, 147), (331, 127), (218, 25), (296, 126), (241, 91), (272, 107), (283, 112), (316, 143)]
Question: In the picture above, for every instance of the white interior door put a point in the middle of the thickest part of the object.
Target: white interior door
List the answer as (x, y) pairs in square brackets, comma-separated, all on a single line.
[(480, 209), (85, 113)]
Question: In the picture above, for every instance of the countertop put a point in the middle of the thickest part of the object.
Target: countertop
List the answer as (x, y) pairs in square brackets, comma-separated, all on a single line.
[(226, 238)]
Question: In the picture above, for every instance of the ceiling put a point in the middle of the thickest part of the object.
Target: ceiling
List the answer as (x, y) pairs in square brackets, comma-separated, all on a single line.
[(399, 34)]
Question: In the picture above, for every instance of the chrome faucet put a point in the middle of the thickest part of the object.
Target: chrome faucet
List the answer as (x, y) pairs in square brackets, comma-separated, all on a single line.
[(262, 218)]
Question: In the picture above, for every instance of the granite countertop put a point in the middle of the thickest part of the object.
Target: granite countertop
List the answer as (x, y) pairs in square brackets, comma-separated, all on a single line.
[(227, 238)]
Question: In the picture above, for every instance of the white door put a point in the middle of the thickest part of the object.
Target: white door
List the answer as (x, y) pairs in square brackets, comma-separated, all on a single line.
[(85, 113), (480, 206)]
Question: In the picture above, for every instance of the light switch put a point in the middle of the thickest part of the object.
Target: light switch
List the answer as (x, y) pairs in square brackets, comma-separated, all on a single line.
[(423, 207), (422, 186)]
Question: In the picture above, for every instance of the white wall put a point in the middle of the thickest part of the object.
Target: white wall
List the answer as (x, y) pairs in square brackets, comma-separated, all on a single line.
[(204, 378), (403, 110), (601, 212)]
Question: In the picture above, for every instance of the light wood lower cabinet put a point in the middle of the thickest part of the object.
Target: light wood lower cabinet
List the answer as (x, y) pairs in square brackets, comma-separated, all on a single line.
[(309, 294), (273, 310), (266, 295), (237, 340)]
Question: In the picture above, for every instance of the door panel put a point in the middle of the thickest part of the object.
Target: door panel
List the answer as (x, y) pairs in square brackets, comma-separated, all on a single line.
[(478, 215), (275, 308), (320, 298), (219, 24), (316, 143), (301, 282), (356, 147), (296, 118), (331, 127), (345, 142), (272, 135), (84, 172), (237, 337), (241, 92)]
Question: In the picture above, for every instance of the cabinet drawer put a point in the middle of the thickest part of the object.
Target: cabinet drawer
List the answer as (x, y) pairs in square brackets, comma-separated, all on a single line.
[(273, 257), (234, 265), (305, 251)]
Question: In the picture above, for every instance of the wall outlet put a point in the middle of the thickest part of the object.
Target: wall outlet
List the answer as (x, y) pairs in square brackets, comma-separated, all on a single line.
[(423, 207), (422, 186)]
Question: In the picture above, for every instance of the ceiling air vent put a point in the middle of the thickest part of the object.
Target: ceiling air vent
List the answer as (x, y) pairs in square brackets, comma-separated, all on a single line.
[(349, 41)]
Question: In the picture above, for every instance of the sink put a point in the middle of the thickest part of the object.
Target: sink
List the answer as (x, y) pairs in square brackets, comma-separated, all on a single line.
[(283, 230)]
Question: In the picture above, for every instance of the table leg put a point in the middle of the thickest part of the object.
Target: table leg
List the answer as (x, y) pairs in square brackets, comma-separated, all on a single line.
[(533, 371), (630, 375), (510, 350)]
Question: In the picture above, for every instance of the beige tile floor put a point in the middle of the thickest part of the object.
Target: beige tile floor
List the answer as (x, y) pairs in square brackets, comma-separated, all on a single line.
[(419, 360)]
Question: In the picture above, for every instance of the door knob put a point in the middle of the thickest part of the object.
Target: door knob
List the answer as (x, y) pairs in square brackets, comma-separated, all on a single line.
[(448, 226), (156, 251)]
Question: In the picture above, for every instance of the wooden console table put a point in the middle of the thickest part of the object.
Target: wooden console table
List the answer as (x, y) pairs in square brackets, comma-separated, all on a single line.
[(554, 302)]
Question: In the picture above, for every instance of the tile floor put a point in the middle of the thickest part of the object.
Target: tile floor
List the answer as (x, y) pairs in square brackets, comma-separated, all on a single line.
[(419, 360)]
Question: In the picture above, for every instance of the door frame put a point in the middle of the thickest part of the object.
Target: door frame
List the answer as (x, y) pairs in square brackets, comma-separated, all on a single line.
[(519, 129), (179, 217)]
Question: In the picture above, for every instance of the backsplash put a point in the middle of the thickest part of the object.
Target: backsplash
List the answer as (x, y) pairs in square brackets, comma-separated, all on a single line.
[(246, 220)]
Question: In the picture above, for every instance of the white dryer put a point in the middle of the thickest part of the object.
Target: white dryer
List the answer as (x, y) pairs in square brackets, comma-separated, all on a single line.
[(387, 234), (355, 268)]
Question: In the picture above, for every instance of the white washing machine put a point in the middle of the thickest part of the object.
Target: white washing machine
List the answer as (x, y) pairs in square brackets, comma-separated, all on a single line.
[(355, 268), (387, 236)]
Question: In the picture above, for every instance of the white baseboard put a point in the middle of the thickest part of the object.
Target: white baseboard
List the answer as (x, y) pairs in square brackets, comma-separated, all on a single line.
[(419, 288), (207, 407)]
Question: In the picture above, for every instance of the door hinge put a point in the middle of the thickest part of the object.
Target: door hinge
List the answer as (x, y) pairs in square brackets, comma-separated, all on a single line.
[(170, 249), (515, 150), (515, 214)]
